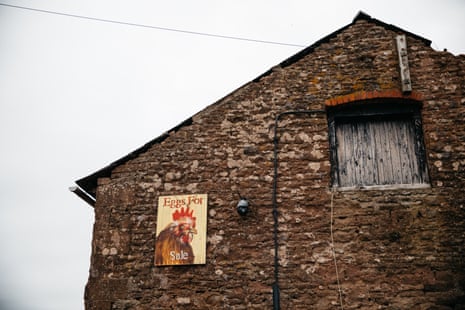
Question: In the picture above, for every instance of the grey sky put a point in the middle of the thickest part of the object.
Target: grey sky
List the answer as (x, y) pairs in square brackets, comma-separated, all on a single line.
[(78, 94)]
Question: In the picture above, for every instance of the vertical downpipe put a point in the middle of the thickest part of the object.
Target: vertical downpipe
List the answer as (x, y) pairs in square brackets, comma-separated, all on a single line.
[(276, 293)]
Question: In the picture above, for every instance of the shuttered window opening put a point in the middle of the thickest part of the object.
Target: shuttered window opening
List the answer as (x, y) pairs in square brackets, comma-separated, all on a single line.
[(377, 145)]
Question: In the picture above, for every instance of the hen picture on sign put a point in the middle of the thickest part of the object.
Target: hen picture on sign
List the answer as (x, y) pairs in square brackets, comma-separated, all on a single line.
[(181, 230)]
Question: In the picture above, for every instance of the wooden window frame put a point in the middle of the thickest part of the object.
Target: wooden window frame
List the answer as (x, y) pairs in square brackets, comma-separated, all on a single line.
[(383, 109)]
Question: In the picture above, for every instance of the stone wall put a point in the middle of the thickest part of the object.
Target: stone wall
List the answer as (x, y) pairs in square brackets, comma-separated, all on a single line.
[(395, 249)]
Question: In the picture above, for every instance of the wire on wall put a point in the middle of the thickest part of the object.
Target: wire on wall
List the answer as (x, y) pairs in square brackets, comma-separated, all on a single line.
[(334, 252)]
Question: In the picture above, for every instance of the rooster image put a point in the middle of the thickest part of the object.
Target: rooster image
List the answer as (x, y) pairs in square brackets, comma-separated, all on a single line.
[(173, 244)]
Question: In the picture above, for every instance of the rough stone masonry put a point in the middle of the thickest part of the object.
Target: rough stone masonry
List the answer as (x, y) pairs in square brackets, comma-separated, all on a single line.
[(395, 248)]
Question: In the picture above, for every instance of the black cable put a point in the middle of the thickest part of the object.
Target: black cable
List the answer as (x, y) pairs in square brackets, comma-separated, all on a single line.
[(149, 26)]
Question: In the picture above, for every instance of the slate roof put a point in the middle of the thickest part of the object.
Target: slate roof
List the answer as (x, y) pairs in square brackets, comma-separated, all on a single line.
[(89, 183)]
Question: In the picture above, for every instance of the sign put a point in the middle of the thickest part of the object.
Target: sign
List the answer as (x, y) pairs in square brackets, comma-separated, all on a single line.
[(181, 230)]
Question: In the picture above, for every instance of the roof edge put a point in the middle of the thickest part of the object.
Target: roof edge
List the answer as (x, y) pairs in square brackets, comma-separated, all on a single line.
[(360, 16), (363, 16), (89, 183)]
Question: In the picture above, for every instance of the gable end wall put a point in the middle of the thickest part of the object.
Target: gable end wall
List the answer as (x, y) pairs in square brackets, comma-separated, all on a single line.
[(395, 249)]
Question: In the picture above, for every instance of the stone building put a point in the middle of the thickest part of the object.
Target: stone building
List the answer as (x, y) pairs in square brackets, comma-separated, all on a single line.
[(351, 158)]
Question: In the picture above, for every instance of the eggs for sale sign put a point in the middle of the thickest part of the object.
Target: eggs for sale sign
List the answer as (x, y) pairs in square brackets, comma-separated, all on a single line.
[(181, 230)]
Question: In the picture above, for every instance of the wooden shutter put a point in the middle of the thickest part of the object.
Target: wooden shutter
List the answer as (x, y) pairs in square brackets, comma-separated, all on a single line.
[(376, 151)]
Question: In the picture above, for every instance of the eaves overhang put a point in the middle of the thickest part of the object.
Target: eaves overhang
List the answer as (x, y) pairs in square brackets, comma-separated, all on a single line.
[(89, 183)]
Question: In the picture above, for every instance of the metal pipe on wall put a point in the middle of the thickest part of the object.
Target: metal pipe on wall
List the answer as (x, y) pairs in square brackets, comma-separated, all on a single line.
[(276, 292)]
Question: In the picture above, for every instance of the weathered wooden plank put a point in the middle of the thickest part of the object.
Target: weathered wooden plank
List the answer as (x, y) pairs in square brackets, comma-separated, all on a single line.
[(414, 167), (375, 152), (365, 146), (401, 41), (382, 153), (347, 134), (392, 135), (375, 145), (341, 151), (403, 154), (357, 156)]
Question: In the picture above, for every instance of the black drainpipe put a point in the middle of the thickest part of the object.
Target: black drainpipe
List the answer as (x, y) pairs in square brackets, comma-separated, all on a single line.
[(276, 305)]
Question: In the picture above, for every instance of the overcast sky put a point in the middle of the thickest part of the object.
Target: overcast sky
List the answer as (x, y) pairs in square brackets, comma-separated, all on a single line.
[(77, 94)]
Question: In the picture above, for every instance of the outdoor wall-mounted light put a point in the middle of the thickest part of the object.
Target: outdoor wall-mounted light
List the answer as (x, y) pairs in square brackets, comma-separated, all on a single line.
[(243, 206)]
